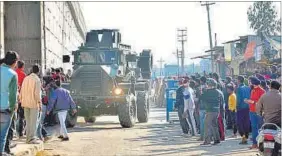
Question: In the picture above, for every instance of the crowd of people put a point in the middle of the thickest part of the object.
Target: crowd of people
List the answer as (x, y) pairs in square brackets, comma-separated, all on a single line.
[(208, 105), (27, 99)]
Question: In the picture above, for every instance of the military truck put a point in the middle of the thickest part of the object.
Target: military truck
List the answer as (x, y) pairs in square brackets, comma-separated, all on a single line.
[(104, 79)]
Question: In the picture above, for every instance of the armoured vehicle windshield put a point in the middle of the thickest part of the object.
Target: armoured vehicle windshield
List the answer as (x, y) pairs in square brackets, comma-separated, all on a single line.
[(95, 57)]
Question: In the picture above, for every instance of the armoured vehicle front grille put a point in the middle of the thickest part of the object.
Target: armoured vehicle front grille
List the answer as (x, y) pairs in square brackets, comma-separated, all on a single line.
[(91, 82)]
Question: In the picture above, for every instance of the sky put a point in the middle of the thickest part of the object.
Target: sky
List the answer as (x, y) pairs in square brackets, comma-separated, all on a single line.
[(153, 25)]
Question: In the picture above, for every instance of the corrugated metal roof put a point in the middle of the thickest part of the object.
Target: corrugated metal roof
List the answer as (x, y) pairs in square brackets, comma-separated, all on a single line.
[(201, 56)]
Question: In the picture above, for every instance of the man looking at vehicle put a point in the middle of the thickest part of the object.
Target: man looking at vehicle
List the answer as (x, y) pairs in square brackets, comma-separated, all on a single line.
[(21, 75), (179, 105), (8, 95), (30, 98), (212, 98)]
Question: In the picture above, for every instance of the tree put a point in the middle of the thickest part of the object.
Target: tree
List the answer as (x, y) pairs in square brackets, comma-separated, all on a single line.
[(263, 18)]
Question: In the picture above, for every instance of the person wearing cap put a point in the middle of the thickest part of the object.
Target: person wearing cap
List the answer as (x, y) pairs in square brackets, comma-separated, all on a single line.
[(179, 106), (243, 117), (212, 98), (256, 93)]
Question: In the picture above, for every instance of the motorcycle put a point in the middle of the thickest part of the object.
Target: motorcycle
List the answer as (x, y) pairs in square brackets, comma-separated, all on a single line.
[(269, 140)]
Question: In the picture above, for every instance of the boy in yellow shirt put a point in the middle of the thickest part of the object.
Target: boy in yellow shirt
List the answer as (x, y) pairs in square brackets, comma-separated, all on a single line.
[(232, 107)]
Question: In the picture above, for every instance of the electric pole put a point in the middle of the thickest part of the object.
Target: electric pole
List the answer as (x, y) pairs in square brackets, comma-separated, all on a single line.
[(178, 56), (161, 61), (207, 4), (181, 37)]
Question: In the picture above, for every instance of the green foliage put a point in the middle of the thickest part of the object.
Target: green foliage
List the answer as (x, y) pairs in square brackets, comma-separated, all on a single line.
[(263, 18)]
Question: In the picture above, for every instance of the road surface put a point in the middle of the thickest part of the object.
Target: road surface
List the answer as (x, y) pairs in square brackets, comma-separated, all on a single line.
[(155, 138)]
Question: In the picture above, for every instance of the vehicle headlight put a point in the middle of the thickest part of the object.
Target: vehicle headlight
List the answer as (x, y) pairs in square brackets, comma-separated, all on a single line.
[(117, 91)]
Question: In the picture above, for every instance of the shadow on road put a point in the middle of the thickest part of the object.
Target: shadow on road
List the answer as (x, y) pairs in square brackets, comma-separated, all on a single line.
[(166, 139)]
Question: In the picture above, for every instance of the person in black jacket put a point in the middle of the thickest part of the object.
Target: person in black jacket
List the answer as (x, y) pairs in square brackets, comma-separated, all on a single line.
[(221, 117), (179, 105)]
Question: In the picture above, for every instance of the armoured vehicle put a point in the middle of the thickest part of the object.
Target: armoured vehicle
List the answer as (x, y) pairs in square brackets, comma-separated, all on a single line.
[(109, 79)]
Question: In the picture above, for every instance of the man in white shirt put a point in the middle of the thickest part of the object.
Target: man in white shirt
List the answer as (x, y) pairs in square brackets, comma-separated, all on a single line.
[(189, 108)]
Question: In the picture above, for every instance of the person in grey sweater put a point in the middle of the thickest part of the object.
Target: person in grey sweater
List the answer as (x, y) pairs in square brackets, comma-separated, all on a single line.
[(269, 105)]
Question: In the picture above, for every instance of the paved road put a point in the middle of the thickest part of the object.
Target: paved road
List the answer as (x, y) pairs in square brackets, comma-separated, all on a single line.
[(156, 138)]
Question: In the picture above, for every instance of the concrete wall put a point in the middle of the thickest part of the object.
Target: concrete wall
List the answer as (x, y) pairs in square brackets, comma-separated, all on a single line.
[(42, 32), (22, 30), (1, 29)]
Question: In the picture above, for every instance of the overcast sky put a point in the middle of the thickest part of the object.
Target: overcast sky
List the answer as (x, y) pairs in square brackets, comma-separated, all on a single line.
[(153, 24)]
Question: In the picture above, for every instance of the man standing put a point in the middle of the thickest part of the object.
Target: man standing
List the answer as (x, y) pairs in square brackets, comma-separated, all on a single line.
[(30, 98), (243, 117), (21, 75), (221, 116), (179, 105), (270, 104), (228, 117), (8, 95), (197, 102), (213, 99), (256, 120), (232, 107), (20, 114), (189, 107), (202, 111)]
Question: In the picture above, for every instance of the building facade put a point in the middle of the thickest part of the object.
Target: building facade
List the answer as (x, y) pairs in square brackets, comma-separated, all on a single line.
[(42, 32), (1, 29)]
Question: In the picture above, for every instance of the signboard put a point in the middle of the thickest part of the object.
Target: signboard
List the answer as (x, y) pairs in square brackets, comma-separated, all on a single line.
[(227, 52), (249, 53), (258, 52)]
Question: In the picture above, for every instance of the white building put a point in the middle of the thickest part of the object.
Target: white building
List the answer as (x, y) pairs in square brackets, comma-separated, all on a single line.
[(42, 32)]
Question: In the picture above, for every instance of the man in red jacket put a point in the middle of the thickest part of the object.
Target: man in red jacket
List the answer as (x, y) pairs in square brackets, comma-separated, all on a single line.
[(256, 93), (20, 72), (21, 75)]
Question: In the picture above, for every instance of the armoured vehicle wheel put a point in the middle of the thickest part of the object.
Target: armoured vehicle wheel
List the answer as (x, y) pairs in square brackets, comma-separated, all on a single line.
[(142, 107), (90, 119), (127, 113), (71, 120)]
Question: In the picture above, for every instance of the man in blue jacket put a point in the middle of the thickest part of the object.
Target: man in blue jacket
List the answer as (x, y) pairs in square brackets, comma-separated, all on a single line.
[(243, 118), (61, 102)]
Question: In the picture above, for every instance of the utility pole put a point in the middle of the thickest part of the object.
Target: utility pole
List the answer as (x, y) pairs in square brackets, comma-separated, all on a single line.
[(178, 56), (161, 61), (207, 4), (181, 37), (215, 39)]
